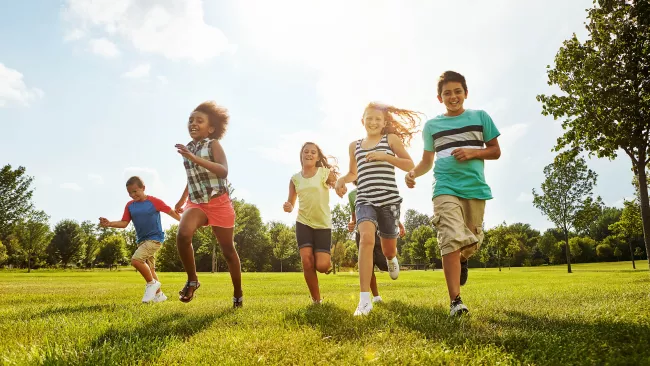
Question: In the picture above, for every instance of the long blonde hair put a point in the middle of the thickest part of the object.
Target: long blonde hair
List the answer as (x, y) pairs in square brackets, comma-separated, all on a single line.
[(401, 122)]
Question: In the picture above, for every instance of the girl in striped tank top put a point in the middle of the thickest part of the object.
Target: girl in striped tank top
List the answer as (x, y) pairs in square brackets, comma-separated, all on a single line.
[(377, 207), (207, 189)]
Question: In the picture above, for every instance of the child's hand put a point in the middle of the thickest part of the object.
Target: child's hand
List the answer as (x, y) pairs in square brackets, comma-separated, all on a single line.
[(376, 156), (179, 207), (103, 222), (340, 187), (288, 207), (183, 150), (351, 226), (464, 154), (410, 179)]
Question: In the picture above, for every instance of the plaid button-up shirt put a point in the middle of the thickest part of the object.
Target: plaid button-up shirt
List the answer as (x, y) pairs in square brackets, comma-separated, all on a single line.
[(202, 184)]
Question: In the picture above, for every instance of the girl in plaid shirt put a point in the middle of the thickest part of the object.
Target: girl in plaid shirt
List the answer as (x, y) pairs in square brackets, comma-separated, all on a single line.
[(207, 188)]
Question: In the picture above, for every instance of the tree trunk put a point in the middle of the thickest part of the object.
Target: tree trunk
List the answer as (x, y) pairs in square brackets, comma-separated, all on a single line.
[(567, 250), (214, 257), (499, 260), (29, 263), (645, 206), (280, 265), (629, 242)]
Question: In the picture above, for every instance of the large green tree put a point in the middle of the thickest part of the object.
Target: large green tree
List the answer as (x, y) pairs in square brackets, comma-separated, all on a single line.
[(15, 197), (33, 233), (568, 184), (112, 250), (605, 81), (283, 241), (68, 244), (630, 226), (3, 253), (92, 243)]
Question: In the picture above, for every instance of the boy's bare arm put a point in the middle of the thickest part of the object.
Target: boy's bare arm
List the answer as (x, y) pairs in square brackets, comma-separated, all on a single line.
[(103, 222), (423, 166), (492, 151), (174, 215)]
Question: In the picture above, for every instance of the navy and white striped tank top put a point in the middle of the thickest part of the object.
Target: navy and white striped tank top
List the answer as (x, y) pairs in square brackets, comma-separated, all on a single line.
[(376, 185)]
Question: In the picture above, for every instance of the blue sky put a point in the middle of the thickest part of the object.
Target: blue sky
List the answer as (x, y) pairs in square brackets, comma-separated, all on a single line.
[(92, 92)]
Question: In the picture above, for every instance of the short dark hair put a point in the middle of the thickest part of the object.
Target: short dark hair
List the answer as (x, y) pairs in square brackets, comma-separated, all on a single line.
[(135, 180), (451, 76)]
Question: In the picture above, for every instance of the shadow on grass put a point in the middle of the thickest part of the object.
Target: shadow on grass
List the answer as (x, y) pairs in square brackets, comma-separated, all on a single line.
[(331, 321), (141, 344), (534, 339)]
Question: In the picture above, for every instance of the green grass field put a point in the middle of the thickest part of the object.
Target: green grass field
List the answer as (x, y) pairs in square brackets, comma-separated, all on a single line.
[(598, 315)]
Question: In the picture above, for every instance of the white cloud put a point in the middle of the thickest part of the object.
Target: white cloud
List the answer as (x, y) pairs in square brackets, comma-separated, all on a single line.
[(104, 47), (13, 88), (74, 35), (525, 197), (96, 178), (175, 29), (163, 79), (138, 72), (71, 186)]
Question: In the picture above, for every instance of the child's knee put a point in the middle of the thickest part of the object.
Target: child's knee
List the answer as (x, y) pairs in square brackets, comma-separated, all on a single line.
[(184, 235), (308, 264), (322, 267)]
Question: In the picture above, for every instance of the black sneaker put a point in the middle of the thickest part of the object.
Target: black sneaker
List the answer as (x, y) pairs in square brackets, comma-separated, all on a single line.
[(457, 308), (237, 302), (463, 273)]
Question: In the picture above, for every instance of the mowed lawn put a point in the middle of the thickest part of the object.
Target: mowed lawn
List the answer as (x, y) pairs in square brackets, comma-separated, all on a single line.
[(600, 314)]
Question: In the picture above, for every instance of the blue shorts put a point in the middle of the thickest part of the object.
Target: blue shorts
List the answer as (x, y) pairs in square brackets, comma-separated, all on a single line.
[(385, 218)]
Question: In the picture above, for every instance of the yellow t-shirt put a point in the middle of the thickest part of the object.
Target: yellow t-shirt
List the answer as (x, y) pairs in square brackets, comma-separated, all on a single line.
[(313, 199)]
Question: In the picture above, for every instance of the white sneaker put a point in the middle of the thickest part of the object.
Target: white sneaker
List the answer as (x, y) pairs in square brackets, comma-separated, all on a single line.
[(393, 267), (150, 291), (160, 297), (377, 299), (457, 308), (363, 308), (317, 302)]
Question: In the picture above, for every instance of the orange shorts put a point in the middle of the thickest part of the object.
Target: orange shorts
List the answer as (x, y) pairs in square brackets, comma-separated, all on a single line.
[(219, 211)]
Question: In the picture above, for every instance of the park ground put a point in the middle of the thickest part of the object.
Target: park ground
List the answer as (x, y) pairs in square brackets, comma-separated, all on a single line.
[(600, 314)]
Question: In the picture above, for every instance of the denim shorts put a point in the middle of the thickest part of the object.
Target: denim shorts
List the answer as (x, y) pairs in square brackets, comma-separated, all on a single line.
[(385, 218)]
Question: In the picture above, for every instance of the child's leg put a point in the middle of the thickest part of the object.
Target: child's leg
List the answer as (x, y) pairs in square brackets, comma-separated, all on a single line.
[(143, 268), (152, 266), (451, 268), (454, 236), (225, 237), (323, 262), (367, 231), (388, 222), (373, 285), (191, 220), (140, 260), (309, 271), (322, 240)]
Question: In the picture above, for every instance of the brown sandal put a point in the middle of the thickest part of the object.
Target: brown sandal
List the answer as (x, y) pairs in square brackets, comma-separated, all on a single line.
[(187, 293)]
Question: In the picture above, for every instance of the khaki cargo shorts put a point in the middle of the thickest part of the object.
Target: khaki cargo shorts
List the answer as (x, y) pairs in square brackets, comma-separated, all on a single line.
[(459, 222), (146, 252)]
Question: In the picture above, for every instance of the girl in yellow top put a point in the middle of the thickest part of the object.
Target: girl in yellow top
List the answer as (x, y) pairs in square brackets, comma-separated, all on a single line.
[(314, 223)]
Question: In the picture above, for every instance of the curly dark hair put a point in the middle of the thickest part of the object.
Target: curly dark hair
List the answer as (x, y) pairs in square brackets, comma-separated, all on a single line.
[(218, 117)]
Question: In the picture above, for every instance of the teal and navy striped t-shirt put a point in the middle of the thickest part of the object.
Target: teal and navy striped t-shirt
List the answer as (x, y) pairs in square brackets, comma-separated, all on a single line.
[(442, 135)]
